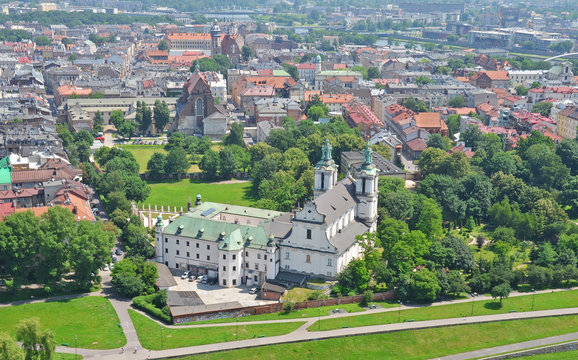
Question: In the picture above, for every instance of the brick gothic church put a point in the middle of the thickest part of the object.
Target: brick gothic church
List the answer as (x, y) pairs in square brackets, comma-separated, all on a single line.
[(195, 105)]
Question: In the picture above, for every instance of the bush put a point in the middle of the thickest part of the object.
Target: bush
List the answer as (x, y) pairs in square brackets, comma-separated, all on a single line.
[(367, 298), (145, 303), (288, 306), (316, 295)]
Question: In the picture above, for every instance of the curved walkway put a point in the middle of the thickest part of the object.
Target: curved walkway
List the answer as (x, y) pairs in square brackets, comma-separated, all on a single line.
[(121, 307), (302, 334)]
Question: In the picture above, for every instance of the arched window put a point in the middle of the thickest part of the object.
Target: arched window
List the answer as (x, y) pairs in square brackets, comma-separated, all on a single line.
[(308, 259), (200, 107)]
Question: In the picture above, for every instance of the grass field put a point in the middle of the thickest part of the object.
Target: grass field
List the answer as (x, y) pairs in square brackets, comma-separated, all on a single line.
[(557, 300), (92, 319), (64, 356), (296, 314), (154, 337), (297, 294), (410, 345), (143, 153), (178, 193)]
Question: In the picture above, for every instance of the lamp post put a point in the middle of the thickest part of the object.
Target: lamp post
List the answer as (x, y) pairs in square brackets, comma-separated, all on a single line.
[(75, 347), (236, 328), (319, 321), (399, 312), (533, 294), (472, 306), (162, 345)]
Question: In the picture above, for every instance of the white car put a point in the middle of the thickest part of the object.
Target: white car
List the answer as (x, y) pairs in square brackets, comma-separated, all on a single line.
[(185, 275), (106, 268), (253, 291)]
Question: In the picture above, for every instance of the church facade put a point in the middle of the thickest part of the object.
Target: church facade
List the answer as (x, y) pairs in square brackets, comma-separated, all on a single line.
[(247, 246)]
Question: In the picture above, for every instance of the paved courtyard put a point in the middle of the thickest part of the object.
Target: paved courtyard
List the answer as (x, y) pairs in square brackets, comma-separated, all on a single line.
[(214, 294)]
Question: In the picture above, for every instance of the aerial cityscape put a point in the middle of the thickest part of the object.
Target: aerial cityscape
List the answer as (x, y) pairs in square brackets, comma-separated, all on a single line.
[(290, 179)]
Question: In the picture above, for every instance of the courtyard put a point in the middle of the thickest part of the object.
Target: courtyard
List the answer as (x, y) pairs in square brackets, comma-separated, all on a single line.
[(215, 294)]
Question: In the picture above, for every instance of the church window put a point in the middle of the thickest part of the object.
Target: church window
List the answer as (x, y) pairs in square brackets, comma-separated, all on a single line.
[(322, 181), (329, 262), (363, 186), (308, 233), (200, 107), (308, 259)]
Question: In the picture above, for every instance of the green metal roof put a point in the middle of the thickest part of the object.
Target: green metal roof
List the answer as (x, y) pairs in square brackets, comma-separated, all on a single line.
[(5, 163), (228, 236), (231, 209), (279, 72), (5, 177)]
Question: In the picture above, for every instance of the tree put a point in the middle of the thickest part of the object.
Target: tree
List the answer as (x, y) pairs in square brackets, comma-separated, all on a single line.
[(501, 291), (545, 167), (521, 90), (116, 118), (373, 73), (424, 286), (453, 122), (235, 137), (37, 344), (146, 118), (176, 162), (156, 166), (452, 283), (228, 163), (472, 137), (9, 348), (41, 41), (562, 47), (535, 85), (210, 164), (464, 258), (439, 141), (163, 45), (543, 108), (246, 53), (127, 129), (457, 102), (162, 114), (354, 278), (316, 112), (422, 80), (97, 123), (430, 220), (292, 71), (567, 149), (415, 105)]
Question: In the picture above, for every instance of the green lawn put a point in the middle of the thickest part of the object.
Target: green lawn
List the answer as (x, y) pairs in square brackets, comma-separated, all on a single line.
[(296, 314), (62, 288), (178, 193), (557, 300), (297, 294), (92, 319), (151, 334), (143, 153), (64, 356), (409, 345)]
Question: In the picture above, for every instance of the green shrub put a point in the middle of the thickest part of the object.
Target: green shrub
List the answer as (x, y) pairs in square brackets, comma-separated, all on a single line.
[(367, 298), (145, 303), (288, 306), (316, 295)]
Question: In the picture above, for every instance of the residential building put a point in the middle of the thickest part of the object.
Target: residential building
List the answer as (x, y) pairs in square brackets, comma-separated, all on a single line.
[(567, 122)]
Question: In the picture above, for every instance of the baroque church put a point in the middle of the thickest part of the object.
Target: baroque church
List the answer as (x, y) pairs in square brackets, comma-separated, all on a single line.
[(247, 246)]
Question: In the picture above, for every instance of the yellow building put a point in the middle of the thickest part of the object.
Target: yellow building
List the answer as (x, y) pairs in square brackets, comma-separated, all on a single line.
[(567, 122)]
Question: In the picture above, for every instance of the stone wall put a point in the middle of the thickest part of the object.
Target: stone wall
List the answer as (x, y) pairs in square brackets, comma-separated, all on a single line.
[(277, 307)]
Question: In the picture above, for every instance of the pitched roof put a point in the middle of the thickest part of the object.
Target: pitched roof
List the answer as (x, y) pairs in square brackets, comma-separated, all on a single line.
[(429, 120)]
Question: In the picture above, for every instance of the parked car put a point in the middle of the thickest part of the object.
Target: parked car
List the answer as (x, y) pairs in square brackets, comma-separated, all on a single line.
[(106, 268), (100, 138), (185, 274), (114, 259), (191, 278), (204, 279), (118, 252), (253, 290)]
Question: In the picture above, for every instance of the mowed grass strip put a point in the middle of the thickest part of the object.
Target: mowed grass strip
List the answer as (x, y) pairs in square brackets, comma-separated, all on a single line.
[(154, 336), (295, 314), (92, 319), (409, 345), (178, 193), (545, 301)]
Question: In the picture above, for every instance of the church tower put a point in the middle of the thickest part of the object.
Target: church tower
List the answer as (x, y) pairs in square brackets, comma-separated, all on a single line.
[(366, 188), (215, 39), (159, 238), (325, 171)]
